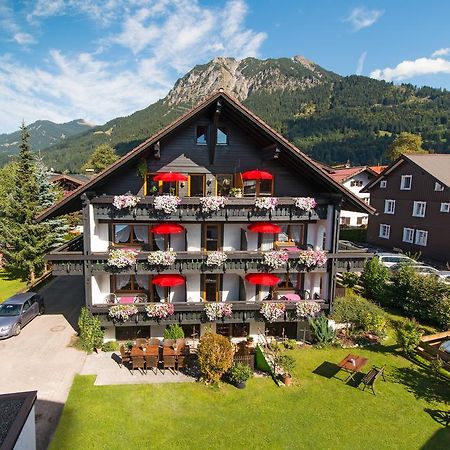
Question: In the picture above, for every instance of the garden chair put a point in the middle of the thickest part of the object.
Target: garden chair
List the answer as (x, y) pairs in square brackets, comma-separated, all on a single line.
[(169, 342), (181, 362), (153, 341), (169, 362), (124, 356), (138, 362), (140, 298), (110, 299), (151, 362), (372, 376), (141, 342)]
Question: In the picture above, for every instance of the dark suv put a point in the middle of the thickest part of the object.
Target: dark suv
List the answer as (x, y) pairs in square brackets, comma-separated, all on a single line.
[(17, 311)]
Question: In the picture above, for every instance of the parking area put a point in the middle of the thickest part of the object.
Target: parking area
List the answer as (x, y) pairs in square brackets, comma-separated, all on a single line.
[(41, 358)]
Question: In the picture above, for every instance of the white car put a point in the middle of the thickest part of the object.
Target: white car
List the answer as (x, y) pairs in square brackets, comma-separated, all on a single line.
[(392, 259), (444, 275)]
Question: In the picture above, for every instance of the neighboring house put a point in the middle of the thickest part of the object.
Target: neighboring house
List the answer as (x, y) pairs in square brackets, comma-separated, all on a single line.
[(68, 182), (212, 145), (412, 198), (354, 179)]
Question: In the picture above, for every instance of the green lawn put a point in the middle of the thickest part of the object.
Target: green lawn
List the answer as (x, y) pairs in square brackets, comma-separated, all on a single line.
[(9, 286), (318, 412)]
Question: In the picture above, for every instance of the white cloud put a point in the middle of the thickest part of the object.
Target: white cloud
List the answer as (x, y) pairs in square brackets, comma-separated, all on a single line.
[(362, 18), (159, 42), (361, 61), (441, 52), (24, 38), (9, 25), (409, 69)]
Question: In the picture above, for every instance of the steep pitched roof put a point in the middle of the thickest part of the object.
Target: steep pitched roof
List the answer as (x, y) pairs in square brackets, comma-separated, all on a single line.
[(436, 164), (342, 175), (72, 202)]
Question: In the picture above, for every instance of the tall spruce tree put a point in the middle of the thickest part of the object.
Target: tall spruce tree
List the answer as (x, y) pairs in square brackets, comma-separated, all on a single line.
[(25, 240)]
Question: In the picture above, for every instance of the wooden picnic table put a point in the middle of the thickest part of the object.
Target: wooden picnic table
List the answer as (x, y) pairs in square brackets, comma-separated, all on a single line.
[(352, 364)]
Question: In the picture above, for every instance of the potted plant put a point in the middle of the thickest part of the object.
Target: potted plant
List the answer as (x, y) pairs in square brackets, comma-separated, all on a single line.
[(287, 365), (239, 374), (250, 341), (236, 192)]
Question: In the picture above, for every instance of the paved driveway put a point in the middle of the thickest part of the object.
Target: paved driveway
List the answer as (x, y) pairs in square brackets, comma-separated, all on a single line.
[(40, 357)]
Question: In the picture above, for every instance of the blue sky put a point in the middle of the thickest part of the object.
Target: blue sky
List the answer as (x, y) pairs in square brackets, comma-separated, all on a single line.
[(99, 59)]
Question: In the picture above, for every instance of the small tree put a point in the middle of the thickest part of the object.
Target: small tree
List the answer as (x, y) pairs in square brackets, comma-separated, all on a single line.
[(405, 143), (174, 331), (215, 356), (374, 278), (91, 333), (408, 335), (102, 157)]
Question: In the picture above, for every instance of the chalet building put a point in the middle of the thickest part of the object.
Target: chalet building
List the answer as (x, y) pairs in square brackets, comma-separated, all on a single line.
[(220, 180), (412, 199), (68, 183), (354, 179)]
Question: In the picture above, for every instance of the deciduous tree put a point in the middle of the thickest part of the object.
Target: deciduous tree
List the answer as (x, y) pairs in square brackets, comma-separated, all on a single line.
[(405, 143), (104, 155)]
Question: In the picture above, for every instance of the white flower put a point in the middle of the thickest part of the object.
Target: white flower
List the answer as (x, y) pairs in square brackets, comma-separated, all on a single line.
[(211, 204), (272, 310), (305, 203), (125, 201), (276, 259), (121, 258), (266, 202), (122, 312), (307, 309), (216, 311), (160, 258), (216, 258), (167, 203), (159, 310), (312, 258)]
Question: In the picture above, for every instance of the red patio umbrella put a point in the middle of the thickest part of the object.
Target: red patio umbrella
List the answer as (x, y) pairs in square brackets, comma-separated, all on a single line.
[(167, 228), (264, 279), (170, 177), (264, 227), (256, 175), (168, 280)]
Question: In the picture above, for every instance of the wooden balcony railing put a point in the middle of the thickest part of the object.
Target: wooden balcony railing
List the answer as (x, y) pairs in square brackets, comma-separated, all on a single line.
[(193, 313), (236, 210)]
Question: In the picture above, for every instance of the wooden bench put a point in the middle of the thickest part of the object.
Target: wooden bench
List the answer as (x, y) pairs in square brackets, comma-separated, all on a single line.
[(372, 376)]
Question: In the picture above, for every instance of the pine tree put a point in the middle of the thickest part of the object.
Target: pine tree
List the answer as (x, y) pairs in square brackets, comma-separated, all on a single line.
[(25, 240), (104, 155)]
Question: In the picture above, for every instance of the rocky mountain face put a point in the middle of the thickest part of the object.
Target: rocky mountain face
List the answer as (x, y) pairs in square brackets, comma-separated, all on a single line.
[(43, 134), (330, 117)]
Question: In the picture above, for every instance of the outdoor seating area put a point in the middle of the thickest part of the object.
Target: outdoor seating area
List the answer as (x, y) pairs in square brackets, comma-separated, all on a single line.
[(154, 355)]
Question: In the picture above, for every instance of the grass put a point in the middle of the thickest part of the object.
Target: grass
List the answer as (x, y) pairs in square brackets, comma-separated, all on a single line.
[(9, 286), (320, 411)]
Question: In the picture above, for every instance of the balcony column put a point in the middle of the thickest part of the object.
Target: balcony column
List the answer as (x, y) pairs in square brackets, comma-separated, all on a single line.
[(335, 217), (87, 211)]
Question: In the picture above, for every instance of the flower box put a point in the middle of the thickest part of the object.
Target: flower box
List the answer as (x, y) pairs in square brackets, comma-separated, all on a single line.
[(122, 312), (312, 258), (167, 203), (307, 309), (305, 203), (125, 201), (121, 258), (160, 258), (275, 259), (159, 310), (216, 311), (272, 310), (212, 204), (216, 259), (268, 203)]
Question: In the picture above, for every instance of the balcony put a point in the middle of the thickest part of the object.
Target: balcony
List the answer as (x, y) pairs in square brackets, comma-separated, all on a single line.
[(236, 210), (193, 313), (66, 262)]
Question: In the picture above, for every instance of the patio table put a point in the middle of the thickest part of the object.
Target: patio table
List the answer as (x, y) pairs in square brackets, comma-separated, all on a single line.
[(149, 351), (352, 364)]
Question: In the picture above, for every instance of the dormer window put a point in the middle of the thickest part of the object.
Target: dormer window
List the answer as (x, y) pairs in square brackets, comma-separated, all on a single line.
[(202, 135), (222, 136)]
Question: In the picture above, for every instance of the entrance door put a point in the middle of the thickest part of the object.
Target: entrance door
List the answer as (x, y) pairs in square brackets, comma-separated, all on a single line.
[(211, 287)]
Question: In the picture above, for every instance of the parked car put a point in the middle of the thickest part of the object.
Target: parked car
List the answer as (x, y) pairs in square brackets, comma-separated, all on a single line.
[(392, 259), (421, 269), (444, 275), (17, 311)]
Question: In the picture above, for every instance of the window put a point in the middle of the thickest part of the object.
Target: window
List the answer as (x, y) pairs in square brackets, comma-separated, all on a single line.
[(445, 207), (224, 183), (345, 220), (197, 185), (154, 187), (254, 188), (383, 184), (389, 206), (212, 237), (406, 183), (366, 200), (211, 287), (201, 135), (385, 231), (135, 284), (292, 233), (419, 209), (356, 183), (130, 234), (421, 237), (438, 186), (408, 235), (222, 136)]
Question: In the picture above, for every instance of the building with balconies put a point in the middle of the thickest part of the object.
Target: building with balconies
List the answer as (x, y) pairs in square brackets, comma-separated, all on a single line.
[(215, 209)]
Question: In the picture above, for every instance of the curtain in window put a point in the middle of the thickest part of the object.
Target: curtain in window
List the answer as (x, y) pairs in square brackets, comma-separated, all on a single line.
[(122, 233), (122, 281), (296, 233), (283, 234), (141, 233), (160, 295), (159, 241), (142, 281), (266, 242)]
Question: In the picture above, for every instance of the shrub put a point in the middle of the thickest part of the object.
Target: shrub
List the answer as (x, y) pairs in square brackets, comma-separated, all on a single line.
[(239, 373), (321, 331), (374, 278), (215, 356), (362, 313), (286, 362), (350, 279), (173, 331), (290, 344), (91, 333), (408, 335), (111, 346)]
